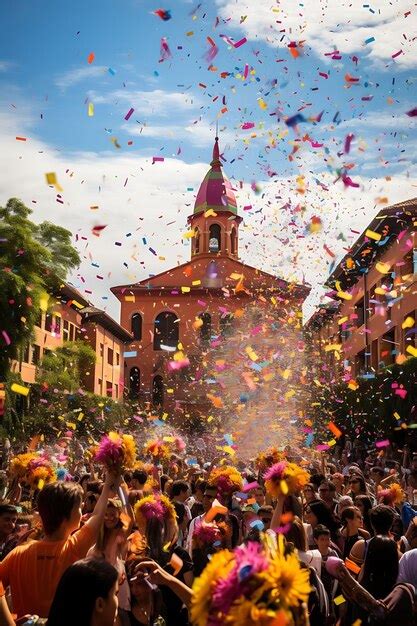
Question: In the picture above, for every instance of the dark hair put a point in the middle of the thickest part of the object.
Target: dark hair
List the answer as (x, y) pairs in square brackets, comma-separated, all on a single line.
[(8, 508), (140, 475), (321, 530), (56, 503), (377, 470), (94, 486), (80, 586), (381, 518), (164, 479), (317, 479), (297, 535), (361, 480), (367, 506), (380, 569), (324, 516), (178, 487), (328, 483), (200, 483), (348, 513), (180, 511)]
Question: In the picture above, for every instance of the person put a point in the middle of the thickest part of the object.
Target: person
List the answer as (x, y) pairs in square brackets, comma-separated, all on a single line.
[(86, 595), (344, 503), (339, 482), (316, 512), (195, 502), (381, 518), (180, 492), (364, 504), (309, 493), (33, 570), (209, 496), (407, 569), (322, 540), (357, 486), (138, 480), (6, 618), (8, 518), (327, 494), (352, 529), (146, 601)]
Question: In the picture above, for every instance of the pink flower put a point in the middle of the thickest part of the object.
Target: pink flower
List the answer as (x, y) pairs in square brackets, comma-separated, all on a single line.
[(276, 472)]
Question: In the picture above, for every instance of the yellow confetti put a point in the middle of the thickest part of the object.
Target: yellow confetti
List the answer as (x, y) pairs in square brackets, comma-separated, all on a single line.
[(397, 417), (262, 104), (333, 346), (23, 391), (353, 385), (344, 295), (185, 289), (189, 234), (408, 323), (383, 268), (90, 109), (129, 298), (339, 600), (195, 283), (210, 213), (284, 487), (51, 179), (371, 234), (411, 350), (343, 320), (41, 483)]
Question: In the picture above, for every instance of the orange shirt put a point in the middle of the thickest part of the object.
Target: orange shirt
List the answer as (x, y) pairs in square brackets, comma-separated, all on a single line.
[(33, 570)]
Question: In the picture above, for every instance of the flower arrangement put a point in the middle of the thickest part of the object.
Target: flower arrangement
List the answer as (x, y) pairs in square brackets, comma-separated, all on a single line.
[(157, 449), (20, 463), (116, 452), (391, 496), (285, 478), (211, 535), (40, 472), (268, 458), (154, 507), (226, 479), (255, 584)]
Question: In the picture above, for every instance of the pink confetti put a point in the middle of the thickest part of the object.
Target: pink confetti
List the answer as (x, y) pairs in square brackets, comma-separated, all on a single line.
[(157, 159), (128, 114), (382, 444), (247, 125), (246, 72), (250, 486), (240, 42), (6, 337), (348, 141)]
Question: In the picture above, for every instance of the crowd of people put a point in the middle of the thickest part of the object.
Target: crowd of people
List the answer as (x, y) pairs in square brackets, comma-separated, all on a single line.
[(102, 547)]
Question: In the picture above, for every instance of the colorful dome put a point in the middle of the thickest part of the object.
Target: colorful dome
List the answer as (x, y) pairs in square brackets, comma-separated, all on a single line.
[(216, 190)]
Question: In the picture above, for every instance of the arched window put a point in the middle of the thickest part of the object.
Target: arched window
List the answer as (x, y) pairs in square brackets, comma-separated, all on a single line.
[(205, 329), (134, 383), (226, 324), (158, 391), (215, 238), (233, 241), (136, 326), (196, 240), (166, 331)]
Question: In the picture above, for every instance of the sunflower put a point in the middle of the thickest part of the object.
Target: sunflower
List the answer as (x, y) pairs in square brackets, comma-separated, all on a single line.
[(129, 448), (220, 566), (287, 580)]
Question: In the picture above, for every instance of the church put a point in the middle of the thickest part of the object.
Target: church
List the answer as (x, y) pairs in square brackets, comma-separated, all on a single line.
[(178, 316)]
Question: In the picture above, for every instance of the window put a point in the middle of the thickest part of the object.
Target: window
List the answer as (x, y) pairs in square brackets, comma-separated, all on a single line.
[(136, 326), (65, 332), (360, 363), (73, 332), (226, 325), (360, 312), (134, 383), (38, 321), (36, 354), (233, 241), (109, 389), (57, 328), (117, 358), (375, 355), (109, 356), (26, 354), (48, 322), (205, 329), (158, 391), (100, 385), (166, 331), (215, 238), (116, 391), (101, 350), (388, 348), (196, 240)]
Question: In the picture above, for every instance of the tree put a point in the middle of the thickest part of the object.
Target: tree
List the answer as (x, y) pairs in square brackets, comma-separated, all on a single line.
[(65, 366), (33, 259)]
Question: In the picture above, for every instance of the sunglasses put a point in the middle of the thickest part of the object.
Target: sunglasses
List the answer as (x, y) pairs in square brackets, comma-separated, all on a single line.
[(353, 482)]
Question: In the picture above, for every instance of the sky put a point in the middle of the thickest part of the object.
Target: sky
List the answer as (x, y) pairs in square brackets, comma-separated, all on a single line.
[(70, 73)]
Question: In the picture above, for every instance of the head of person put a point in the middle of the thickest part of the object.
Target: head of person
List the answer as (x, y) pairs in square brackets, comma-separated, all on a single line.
[(8, 518), (297, 535), (380, 569), (85, 478), (140, 591), (321, 535), (316, 512), (199, 488), (364, 504), (112, 514), (180, 490), (156, 520), (86, 595), (309, 492), (376, 474), (327, 491), (381, 518), (59, 506), (357, 484), (344, 503), (259, 494), (352, 520), (265, 514), (138, 479), (90, 502), (210, 494), (182, 520)]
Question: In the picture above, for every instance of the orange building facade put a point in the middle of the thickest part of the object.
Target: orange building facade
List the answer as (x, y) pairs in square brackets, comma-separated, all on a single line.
[(371, 323), (69, 317), (191, 307)]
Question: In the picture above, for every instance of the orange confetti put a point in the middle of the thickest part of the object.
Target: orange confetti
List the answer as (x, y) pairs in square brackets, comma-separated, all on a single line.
[(334, 429), (91, 58)]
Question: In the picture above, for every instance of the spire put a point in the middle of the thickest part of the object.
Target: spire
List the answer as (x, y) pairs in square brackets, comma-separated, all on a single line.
[(216, 154)]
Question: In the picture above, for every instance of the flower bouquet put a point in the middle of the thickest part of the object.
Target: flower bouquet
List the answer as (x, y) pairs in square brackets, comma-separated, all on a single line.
[(285, 478), (392, 495), (255, 584), (116, 452), (157, 449), (268, 458), (226, 479)]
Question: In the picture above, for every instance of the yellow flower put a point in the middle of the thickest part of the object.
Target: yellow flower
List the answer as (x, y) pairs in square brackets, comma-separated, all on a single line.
[(287, 580), (129, 447), (219, 567)]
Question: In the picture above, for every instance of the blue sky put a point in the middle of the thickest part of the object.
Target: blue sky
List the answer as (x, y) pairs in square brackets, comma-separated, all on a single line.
[(47, 85)]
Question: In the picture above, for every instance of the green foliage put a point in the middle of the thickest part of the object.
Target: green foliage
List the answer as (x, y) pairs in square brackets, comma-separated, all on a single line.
[(368, 412), (64, 367), (32, 258)]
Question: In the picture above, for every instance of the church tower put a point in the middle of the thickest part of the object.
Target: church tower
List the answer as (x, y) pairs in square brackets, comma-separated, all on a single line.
[(215, 220)]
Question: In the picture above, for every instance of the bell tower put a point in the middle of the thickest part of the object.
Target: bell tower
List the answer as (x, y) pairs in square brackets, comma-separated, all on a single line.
[(215, 221)]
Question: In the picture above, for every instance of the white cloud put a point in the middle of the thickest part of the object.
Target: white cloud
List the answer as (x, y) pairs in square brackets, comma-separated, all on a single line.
[(341, 24), (72, 77), (5, 66), (199, 134), (382, 119), (156, 102)]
